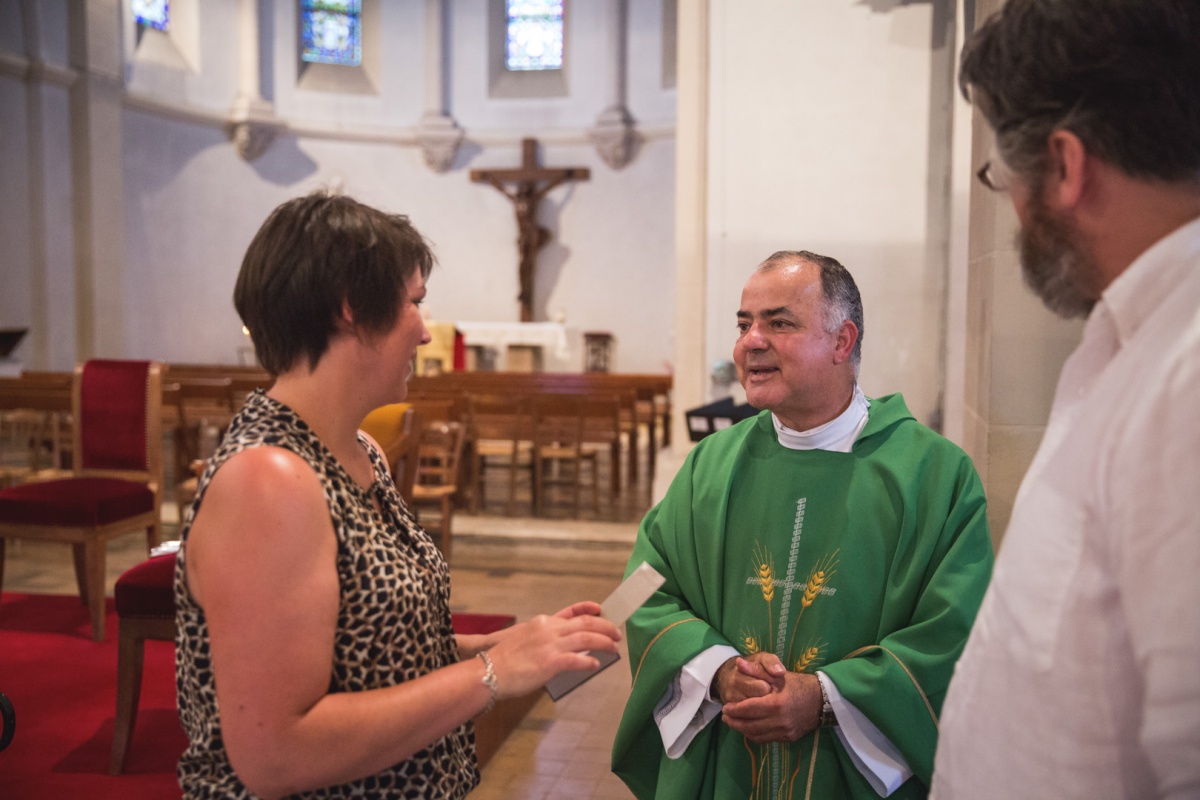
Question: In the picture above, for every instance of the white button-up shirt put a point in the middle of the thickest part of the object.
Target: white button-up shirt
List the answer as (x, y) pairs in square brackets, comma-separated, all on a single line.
[(1081, 678)]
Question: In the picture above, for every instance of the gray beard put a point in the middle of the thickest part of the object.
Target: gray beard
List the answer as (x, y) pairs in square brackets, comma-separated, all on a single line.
[(1052, 264)]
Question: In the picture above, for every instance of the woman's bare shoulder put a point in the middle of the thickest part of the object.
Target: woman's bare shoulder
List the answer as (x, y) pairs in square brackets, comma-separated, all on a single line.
[(269, 489)]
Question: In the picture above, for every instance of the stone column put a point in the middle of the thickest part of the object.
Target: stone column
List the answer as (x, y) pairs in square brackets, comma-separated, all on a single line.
[(437, 132), (96, 167), (691, 214), (253, 125), (613, 134)]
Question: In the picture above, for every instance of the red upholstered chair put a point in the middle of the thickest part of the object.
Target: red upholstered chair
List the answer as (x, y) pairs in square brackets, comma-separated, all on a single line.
[(116, 482), (145, 600)]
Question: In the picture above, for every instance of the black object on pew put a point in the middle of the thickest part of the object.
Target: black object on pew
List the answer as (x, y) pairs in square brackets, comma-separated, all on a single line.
[(9, 339), (713, 417)]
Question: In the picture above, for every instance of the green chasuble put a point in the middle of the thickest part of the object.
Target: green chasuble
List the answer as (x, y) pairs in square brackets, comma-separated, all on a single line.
[(868, 566)]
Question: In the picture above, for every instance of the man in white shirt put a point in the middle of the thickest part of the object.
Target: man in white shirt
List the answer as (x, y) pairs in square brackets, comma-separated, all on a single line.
[(1081, 677)]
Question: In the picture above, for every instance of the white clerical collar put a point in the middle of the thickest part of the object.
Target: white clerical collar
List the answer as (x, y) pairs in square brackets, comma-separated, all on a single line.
[(838, 435)]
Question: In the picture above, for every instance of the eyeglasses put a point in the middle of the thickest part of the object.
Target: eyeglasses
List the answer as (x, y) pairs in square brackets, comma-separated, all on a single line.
[(995, 174)]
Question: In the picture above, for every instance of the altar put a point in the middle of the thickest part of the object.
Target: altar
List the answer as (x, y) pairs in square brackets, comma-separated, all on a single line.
[(508, 346), (513, 346)]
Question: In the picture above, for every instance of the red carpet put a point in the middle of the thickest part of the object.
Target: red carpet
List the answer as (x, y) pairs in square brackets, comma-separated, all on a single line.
[(63, 687)]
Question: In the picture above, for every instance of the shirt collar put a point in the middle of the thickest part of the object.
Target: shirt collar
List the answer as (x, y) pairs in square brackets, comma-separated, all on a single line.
[(838, 435), (1147, 282)]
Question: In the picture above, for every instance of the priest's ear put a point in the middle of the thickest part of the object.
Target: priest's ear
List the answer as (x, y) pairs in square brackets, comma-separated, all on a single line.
[(847, 337)]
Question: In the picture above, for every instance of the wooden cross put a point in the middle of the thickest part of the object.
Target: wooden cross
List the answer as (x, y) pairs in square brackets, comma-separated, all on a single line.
[(525, 187)]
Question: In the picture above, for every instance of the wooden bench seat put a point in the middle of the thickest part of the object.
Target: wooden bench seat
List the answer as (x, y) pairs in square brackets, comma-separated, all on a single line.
[(645, 397), (35, 413)]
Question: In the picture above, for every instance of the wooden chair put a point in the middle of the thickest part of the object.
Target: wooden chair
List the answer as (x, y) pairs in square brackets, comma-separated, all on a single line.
[(604, 423), (499, 436), (145, 601), (203, 407), (116, 482), (446, 406), (35, 420), (437, 477), (396, 429), (559, 452)]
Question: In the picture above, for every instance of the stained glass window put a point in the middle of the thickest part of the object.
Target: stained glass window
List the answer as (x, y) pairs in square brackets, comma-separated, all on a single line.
[(535, 34), (151, 13), (331, 31)]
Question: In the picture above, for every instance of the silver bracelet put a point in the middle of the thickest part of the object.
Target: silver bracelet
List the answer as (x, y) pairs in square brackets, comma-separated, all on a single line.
[(489, 680)]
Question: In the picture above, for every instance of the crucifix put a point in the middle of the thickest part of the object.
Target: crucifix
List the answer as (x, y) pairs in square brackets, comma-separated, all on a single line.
[(525, 186)]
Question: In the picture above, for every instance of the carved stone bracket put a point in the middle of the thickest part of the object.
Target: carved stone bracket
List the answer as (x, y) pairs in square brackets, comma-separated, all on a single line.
[(614, 136), (439, 136), (253, 126)]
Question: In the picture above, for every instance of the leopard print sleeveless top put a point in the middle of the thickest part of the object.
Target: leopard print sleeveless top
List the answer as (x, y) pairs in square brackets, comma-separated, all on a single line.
[(393, 619)]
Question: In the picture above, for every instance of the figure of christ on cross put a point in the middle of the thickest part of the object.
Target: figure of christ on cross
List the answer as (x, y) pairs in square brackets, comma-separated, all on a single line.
[(525, 187)]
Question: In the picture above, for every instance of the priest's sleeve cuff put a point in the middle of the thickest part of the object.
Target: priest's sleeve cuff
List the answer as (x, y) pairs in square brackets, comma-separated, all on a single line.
[(879, 761), (686, 708)]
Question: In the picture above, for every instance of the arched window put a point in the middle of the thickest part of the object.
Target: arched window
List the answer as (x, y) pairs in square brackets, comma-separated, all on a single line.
[(535, 35), (151, 13), (331, 32)]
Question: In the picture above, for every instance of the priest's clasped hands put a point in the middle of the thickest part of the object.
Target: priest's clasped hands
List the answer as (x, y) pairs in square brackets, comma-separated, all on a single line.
[(766, 703)]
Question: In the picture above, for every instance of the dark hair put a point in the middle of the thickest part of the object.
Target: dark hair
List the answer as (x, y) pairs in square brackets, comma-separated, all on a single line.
[(1122, 75), (313, 254), (842, 300)]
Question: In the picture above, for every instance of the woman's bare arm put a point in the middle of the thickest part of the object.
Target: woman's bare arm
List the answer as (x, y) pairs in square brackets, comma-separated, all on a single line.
[(261, 563)]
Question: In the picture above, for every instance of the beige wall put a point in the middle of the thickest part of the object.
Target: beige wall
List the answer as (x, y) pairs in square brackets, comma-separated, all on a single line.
[(128, 202), (1003, 349), (834, 153)]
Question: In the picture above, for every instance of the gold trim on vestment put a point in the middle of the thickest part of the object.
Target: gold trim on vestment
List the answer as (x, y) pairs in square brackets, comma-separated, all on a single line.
[(657, 636), (907, 671), (812, 766)]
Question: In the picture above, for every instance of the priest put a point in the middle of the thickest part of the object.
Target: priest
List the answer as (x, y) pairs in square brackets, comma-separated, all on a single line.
[(824, 562)]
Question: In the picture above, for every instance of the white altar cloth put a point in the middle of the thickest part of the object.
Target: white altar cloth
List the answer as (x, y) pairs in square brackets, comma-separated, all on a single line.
[(501, 335)]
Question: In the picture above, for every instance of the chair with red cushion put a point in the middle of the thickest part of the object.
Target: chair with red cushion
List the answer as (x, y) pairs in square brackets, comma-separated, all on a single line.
[(116, 482), (145, 600)]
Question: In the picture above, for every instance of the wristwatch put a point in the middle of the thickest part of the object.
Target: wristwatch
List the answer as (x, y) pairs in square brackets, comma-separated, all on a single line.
[(827, 718)]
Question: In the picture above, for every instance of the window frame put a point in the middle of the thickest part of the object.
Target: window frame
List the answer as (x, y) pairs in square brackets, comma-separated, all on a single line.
[(506, 83)]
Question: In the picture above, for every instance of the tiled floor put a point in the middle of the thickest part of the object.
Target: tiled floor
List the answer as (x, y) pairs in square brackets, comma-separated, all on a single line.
[(560, 750)]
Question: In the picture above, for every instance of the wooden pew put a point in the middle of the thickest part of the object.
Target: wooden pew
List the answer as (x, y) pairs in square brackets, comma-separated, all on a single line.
[(650, 395), (190, 392), (40, 402), (243, 379)]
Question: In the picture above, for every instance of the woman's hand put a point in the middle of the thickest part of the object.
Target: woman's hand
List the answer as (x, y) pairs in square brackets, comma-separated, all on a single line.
[(527, 655), (581, 608), (471, 644)]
